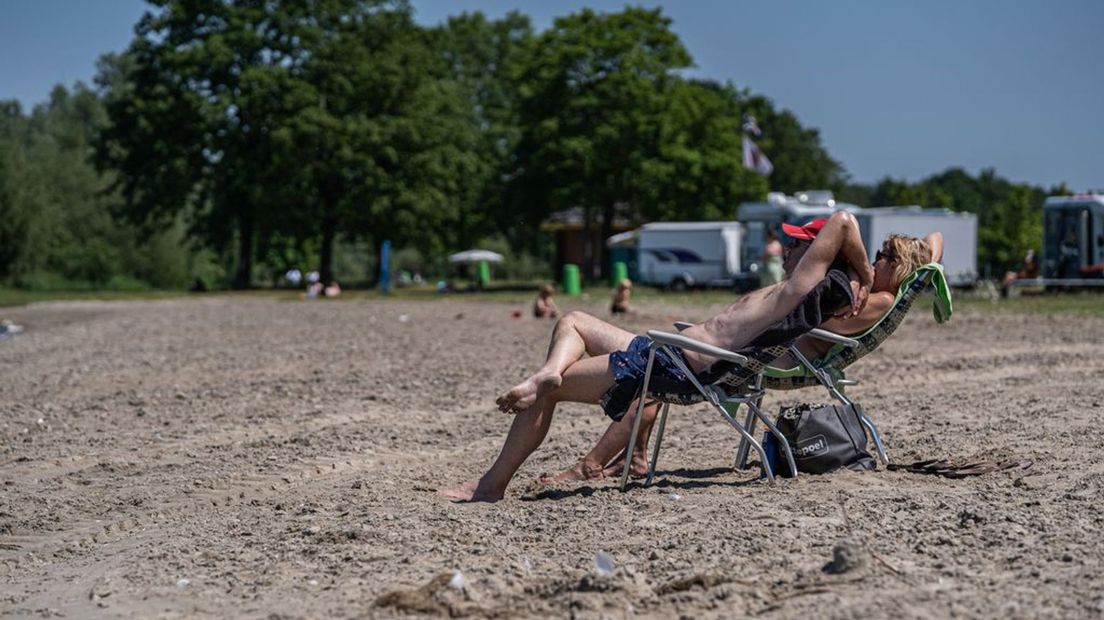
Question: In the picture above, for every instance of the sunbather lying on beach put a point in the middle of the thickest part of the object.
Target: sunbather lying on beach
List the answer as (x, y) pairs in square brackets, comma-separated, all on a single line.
[(832, 276), (900, 256)]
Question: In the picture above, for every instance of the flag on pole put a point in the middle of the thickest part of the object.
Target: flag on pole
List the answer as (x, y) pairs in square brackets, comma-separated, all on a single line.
[(755, 159), (750, 126)]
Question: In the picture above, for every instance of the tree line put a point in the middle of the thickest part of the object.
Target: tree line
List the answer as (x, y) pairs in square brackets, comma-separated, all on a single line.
[(234, 139)]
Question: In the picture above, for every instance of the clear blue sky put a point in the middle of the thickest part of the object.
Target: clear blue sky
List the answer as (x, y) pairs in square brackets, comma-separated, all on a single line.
[(897, 88)]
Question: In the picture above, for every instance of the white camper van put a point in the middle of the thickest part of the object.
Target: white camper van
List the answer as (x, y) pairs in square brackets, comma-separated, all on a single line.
[(680, 255)]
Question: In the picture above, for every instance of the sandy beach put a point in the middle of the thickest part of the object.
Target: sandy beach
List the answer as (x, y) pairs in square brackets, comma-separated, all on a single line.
[(238, 456)]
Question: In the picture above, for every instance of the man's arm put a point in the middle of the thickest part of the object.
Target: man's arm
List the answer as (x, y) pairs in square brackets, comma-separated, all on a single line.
[(840, 236)]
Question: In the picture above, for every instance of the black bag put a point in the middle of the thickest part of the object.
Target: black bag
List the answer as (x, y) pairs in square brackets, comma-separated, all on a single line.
[(824, 438)]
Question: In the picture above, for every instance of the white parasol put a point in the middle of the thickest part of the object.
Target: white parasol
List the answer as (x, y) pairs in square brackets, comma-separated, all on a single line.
[(471, 257)]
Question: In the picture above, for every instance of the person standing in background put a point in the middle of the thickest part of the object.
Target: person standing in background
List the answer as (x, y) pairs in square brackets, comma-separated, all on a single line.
[(772, 272)]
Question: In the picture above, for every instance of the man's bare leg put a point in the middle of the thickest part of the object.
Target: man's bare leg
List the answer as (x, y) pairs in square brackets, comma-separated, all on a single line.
[(576, 334), (584, 382), (607, 453)]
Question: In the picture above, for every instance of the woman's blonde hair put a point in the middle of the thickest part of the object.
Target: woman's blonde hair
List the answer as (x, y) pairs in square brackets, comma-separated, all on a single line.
[(908, 254)]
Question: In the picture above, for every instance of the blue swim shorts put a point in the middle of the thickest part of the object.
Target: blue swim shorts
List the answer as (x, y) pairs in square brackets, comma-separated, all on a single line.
[(628, 368)]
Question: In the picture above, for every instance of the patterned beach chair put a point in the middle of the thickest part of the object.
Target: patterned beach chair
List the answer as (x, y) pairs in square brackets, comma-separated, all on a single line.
[(829, 370), (750, 375)]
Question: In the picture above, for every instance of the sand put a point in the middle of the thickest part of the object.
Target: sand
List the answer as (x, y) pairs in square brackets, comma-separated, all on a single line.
[(249, 457)]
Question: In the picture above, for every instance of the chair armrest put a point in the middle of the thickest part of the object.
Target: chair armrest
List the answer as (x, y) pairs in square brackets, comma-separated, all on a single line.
[(681, 325), (822, 334), (697, 346)]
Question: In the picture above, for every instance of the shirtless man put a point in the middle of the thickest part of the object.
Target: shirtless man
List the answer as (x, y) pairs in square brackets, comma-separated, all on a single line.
[(899, 256), (569, 376)]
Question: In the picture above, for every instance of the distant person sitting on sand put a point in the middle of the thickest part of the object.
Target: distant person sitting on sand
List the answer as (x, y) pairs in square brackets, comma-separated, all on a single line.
[(544, 307), (1029, 271), (7, 329), (832, 277), (899, 256), (333, 290), (314, 289), (621, 296)]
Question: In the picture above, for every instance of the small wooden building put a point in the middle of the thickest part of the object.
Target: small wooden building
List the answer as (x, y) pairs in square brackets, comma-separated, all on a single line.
[(568, 230)]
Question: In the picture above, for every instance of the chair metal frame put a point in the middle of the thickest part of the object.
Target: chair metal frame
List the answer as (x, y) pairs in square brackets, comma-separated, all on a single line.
[(713, 394)]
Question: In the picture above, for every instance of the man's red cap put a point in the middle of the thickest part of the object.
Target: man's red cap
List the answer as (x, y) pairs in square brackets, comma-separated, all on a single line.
[(808, 232)]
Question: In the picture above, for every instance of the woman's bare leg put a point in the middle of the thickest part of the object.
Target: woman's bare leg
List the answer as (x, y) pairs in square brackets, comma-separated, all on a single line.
[(584, 382), (576, 334)]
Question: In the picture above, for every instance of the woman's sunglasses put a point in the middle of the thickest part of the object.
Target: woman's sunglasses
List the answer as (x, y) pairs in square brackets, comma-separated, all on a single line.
[(889, 256)]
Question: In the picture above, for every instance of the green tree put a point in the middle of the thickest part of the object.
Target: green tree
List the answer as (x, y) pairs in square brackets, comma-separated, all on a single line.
[(13, 218), (483, 60), (391, 142), (592, 101), (194, 105), (356, 74), (56, 224), (699, 172)]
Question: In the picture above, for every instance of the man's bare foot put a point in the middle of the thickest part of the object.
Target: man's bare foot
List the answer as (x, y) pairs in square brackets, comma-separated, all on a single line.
[(523, 395), (469, 492), (576, 473), (637, 469)]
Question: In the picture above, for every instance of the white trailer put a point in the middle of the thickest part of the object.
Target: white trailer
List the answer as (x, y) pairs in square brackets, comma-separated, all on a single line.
[(680, 255), (959, 236)]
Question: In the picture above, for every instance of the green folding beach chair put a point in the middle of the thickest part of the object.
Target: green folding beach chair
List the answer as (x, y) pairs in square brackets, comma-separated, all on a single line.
[(746, 382), (828, 370)]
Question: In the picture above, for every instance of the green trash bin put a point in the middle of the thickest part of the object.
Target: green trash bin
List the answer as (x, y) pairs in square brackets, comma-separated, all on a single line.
[(571, 280), (484, 273), (619, 272)]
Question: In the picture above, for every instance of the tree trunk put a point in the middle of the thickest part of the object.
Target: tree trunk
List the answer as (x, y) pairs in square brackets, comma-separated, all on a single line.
[(330, 191), (243, 276), (588, 243), (603, 251), (329, 231), (377, 249)]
